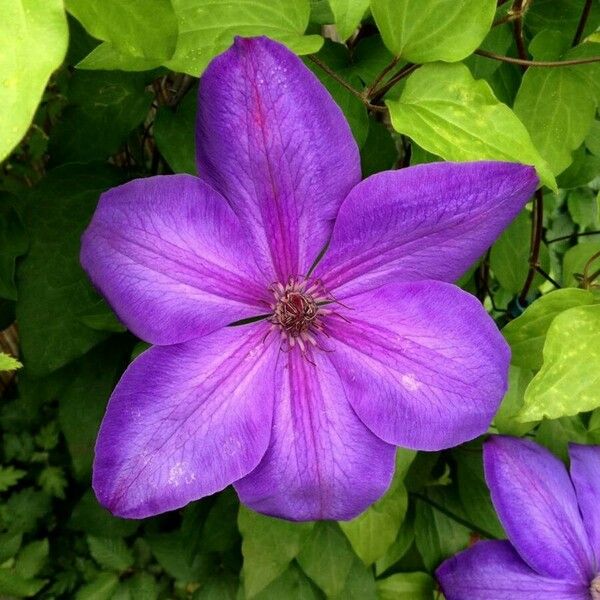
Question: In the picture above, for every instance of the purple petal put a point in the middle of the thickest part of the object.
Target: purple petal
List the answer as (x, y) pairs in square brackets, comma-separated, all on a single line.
[(422, 363), (536, 503), (185, 421), (271, 139), (426, 222), (494, 571), (169, 256), (585, 474), (322, 462)]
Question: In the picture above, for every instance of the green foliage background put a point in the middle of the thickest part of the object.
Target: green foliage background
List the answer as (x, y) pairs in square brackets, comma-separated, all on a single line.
[(96, 92)]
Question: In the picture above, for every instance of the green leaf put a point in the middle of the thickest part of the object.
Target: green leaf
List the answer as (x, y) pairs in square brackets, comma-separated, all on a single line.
[(406, 586), (290, 585), (498, 40), (452, 115), (105, 106), (557, 434), (13, 585), (584, 168), (9, 476), (110, 553), (32, 558), (33, 42), (177, 557), (9, 545), (561, 15), (143, 586), (506, 420), (327, 558), (437, 536), (337, 58), (405, 539), (13, 243), (53, 289), (53, 481), (567, 383), (583, 208), (219, 587), (268, 546), (431, 30), (473, 491), (527, 333), (557, 108), (592, 141), (379, 151), (102, 318), (24, 509), (207, 29), (145, 29), (174, 132), (374, 531), (105, 57), (88, 516), (83, 402), (8, 362), (575, 260), (348, 15), (360, 584), (101, 588), (509, 258)]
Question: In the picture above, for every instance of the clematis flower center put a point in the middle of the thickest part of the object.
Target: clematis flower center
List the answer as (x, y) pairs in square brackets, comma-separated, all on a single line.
[(595, 588), (298, 312)]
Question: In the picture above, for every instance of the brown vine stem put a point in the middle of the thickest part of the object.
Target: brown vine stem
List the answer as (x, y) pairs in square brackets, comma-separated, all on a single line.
[(537, 63), (369, 89), (582, 22), (345, 84), (562, 238), (518, 9), (588, 280), (386, 87), (536, 240)]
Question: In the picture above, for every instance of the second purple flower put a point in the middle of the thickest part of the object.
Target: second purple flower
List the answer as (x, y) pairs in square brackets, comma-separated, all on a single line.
[(338, 360)]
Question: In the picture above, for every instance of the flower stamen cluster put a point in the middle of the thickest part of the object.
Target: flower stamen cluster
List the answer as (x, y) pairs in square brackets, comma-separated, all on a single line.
[(595, 588), (298, 311)]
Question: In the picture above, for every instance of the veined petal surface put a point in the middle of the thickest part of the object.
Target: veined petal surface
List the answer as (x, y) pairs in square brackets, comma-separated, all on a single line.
[(492, 570), (271, 139), (585, 474), (185, 421), (421, 363), (425, 222), (536, 503), (169, 255), (322, 462)]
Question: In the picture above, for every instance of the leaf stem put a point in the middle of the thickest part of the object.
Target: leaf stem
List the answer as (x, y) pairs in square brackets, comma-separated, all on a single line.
[(386, 87), (470, 526), (536, 240), (360, 95), (369, 89), (517, 9), (585, 13), (547, 277), (537, 63), (562, 238)]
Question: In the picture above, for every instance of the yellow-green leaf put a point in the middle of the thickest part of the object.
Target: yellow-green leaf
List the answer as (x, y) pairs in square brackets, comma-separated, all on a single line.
[(450, 114), (33, 42)]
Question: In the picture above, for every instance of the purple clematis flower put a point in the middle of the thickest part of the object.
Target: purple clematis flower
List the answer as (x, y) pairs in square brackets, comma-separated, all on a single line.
[(552, 521), (373, 347)]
